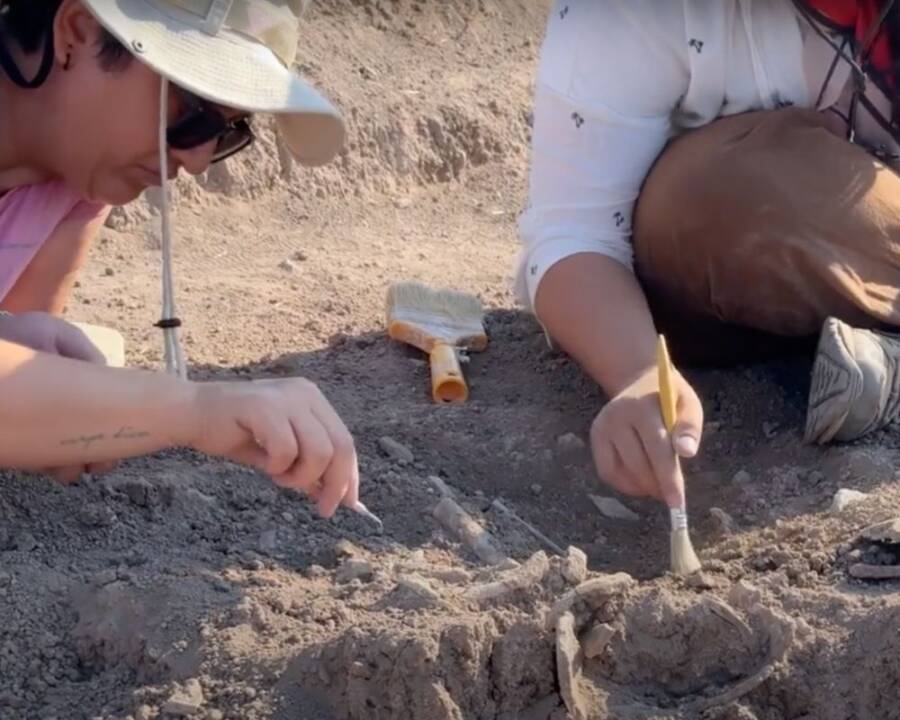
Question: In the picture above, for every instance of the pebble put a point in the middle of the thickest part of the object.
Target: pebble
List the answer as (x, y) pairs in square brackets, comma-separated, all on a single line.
[(744, 595), (300, 256), (612, 508), (144, 712), (215, 715), (574, 565), (844, 498), (354, 569), (287, 266), (570, 442), (741, 477), (699, 581), (106, 577), (724, 523), (97, 515), (537, 489), (396, 450), (25, 542), (419, 587), (109, 272), (138, 491), (596, 639), (186, 700), (268, 541), (287, 517)]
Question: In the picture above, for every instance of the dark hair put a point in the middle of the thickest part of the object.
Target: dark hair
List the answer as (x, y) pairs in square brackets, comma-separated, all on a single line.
[(29, 24)]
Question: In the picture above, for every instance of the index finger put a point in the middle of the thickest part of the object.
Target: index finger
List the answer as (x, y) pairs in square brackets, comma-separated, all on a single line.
[(666, 468), (341, 478)]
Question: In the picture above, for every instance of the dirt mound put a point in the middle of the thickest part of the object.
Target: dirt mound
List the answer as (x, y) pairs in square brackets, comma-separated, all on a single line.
[(426, 112)]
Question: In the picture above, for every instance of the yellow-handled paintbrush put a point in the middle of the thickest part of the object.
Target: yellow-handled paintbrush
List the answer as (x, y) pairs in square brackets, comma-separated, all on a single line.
[(442, 323), (684, 559)]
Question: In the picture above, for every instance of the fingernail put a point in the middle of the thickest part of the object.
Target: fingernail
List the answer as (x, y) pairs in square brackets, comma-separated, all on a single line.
[(686, 446)]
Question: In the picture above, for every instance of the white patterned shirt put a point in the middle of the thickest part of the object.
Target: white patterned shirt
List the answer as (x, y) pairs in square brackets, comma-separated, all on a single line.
[(618, 79)]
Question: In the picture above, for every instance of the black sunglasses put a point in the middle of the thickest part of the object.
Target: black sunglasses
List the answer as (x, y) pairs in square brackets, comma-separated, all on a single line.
[(203, 123)]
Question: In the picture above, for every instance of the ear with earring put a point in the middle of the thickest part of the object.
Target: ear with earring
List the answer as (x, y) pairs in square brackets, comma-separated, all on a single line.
[(68, 63)]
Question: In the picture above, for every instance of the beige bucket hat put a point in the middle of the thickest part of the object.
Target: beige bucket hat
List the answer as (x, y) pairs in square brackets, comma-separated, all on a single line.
[(237, 53)]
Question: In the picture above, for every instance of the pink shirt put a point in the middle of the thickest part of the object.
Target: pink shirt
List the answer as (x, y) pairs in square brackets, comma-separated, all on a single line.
[(28, 216)]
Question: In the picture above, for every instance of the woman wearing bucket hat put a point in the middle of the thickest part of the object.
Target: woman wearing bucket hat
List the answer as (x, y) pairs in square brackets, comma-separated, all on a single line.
[(724, 172), (100, 99)]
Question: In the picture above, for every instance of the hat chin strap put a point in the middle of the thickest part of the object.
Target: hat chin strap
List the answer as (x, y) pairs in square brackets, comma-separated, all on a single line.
[(169, 323)]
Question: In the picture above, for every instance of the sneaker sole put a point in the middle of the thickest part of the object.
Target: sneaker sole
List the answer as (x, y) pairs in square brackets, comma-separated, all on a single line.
[(836, 383)]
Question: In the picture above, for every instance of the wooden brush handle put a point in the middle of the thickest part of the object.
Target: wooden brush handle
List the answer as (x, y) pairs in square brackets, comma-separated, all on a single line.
[(668, 402), (447, 382)]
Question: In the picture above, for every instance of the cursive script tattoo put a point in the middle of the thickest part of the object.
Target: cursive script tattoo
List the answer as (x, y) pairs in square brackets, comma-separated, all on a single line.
[(86, 442), (130, 433)]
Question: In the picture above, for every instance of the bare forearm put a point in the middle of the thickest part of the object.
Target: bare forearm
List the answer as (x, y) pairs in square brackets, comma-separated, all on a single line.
[(595, 308), (57, 412)]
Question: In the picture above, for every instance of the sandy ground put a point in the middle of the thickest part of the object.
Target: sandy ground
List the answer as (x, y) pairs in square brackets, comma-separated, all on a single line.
[(186, 586)]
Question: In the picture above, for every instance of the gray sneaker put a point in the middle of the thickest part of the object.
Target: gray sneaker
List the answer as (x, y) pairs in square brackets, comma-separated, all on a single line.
[(855, 386)]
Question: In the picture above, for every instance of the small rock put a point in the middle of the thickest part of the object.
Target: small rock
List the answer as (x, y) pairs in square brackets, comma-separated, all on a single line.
[(137, 490), (215, 715), (537, 489), (186, 700), (723, 522), (144, 712), (300, 256), (570, 442), (96, 515), (287, 266), (106, 577), (420, 589), (596, 639), (612, 508), (354, 569), (25, 542), (699, 581), (574, 565), (741, 477), (109, 272), (844, 498), (568, 668), (287, 517), (885, 532), (744, 595), (268, 541), (396, 450), (403, 203)]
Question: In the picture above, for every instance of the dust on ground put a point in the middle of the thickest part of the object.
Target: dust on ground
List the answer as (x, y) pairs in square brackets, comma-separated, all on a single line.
[(182, 586)]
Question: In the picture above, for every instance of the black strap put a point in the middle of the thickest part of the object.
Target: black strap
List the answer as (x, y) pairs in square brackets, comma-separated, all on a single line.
[(167, 323), (12, 70)]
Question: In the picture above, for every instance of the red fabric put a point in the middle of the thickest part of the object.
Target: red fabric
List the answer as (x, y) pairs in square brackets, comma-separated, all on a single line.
[(858, 16)]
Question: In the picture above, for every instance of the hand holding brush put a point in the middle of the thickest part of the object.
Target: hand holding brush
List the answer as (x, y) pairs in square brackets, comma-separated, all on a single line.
[(684, 559)]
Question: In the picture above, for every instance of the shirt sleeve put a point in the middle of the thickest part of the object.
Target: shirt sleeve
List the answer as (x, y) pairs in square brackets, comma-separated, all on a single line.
[(610, 75)]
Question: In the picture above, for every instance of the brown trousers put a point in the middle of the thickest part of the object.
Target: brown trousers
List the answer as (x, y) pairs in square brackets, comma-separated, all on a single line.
[(751, 231)]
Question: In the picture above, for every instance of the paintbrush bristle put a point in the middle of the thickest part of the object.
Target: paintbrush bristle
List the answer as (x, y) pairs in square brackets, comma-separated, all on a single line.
[(443, 302), (684, 559), (446, 315)]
